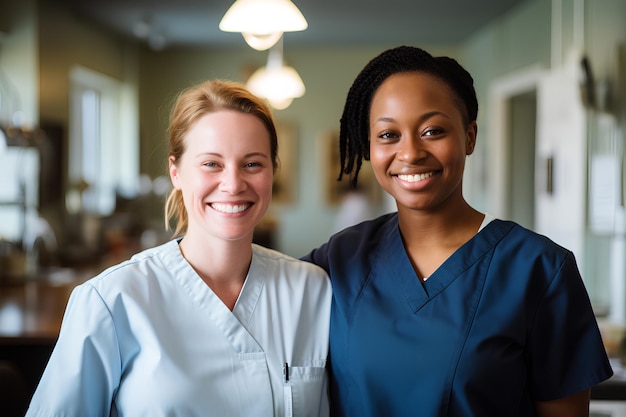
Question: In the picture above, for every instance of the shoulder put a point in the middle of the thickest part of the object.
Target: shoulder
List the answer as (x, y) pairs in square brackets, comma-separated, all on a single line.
[(140, 268), (520, 236), (277, 260), (359, 238), (373, 227), (522, 249), (285, 272)]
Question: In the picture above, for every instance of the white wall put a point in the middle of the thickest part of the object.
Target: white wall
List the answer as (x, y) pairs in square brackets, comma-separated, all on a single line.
[(542, 34)]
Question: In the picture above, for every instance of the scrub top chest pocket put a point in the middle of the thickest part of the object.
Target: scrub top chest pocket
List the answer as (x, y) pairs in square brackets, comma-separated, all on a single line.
[(299, 382)]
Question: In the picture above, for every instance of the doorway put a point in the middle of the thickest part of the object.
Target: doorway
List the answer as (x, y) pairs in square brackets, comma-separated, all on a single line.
[(512, 138), (522, 137)]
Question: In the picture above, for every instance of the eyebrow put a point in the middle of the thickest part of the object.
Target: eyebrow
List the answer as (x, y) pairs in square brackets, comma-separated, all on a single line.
[(248, 155), (261, 154), (384, 119), (423, 117)]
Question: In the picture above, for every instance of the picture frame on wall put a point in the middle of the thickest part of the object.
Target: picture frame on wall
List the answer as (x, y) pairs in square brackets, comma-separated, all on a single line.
[(286, 178)]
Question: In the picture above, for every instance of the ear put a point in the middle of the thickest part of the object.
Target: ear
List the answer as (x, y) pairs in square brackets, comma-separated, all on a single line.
[(470, 138), (174, 172)]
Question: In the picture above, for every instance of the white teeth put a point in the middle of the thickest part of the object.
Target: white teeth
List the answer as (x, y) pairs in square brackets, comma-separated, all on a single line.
[(415, 178), (230, 208)]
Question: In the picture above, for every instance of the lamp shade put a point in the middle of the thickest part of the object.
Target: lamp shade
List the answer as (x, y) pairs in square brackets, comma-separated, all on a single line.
[(261, 42), (279, 85), (262, 22)]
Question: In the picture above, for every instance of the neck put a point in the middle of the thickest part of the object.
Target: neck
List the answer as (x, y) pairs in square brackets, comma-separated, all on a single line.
[(432, 237), (223, 265), (446, 226)]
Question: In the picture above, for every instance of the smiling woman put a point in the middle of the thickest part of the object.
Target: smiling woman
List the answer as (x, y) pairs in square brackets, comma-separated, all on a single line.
[(226, 185), (207, 324), (478, 298)]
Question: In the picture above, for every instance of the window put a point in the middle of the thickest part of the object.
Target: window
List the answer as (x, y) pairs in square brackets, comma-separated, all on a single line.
[(104, 144)]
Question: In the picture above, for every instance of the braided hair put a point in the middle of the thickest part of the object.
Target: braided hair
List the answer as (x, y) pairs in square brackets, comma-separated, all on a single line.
[(354, 123)]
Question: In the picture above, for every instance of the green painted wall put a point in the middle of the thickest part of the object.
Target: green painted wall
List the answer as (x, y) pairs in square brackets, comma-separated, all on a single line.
[(38, 55)]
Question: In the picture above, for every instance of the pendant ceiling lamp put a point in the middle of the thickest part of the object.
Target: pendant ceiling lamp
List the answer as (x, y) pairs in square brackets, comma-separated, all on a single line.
[(276, 82), (262, 22)]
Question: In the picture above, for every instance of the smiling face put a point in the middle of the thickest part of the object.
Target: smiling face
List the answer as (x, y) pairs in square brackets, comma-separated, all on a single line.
[(419, 141), (225, 175)]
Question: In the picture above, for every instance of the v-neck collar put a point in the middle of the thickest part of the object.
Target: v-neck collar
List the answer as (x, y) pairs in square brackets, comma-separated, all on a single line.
[(231, 323), (251, 290), (395, 259)]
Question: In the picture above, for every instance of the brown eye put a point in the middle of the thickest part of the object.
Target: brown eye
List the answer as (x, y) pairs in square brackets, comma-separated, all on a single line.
[(432, 132), (387, 135)]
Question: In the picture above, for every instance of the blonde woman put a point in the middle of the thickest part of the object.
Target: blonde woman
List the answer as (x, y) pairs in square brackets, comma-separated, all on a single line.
[(208, 324)]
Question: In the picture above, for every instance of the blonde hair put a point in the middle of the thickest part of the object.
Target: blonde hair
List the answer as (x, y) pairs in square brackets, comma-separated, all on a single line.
[(195, 102)]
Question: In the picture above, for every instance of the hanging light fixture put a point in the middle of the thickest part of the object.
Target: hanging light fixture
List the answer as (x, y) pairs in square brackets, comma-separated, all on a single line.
[(276, 82), (262, 22)]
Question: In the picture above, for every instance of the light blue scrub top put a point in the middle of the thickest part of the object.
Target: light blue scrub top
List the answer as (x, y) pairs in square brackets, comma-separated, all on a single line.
[(149, 338), (502, 323)]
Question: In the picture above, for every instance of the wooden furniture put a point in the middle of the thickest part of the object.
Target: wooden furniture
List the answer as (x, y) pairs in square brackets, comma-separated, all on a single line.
[(31, 312)]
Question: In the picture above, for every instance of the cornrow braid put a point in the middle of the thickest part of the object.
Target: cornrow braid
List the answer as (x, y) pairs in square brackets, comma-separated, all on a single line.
[(354, 122), (462, 83)]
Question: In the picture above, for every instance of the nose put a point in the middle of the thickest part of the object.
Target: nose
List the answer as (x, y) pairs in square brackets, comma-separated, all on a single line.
[(411, 150), (232, 181)]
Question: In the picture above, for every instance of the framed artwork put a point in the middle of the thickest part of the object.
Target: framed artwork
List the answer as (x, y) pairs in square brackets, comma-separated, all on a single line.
[(286, 178), (334, 190)]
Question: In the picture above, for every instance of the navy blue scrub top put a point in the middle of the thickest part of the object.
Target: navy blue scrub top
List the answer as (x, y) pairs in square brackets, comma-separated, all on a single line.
[(505, 321)]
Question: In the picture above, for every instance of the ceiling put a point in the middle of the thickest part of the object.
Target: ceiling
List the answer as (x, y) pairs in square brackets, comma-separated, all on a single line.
[(331, 22)]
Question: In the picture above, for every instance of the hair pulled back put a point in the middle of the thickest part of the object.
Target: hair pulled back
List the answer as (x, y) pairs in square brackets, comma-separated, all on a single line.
[(192, 104), (354, 124)]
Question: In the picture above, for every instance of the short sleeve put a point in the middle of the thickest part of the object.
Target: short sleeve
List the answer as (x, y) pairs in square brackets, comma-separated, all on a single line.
[(566, 352), (83, 372)]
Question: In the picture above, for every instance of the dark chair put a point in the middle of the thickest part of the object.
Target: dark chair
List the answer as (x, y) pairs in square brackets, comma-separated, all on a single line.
[(22, 361), (14, 396)]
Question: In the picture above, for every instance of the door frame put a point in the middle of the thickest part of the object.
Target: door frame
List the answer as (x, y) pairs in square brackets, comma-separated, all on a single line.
[(501, 91)]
